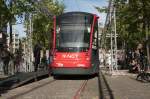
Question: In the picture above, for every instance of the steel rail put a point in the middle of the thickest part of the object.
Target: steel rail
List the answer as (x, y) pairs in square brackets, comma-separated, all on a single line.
[(80, 90)]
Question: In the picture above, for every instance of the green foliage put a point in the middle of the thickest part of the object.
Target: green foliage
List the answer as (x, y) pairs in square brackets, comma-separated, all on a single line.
[(42, 20), (41, 10), (133, 18), (102, 10), (12, 9), (9, 9), (4, 14)]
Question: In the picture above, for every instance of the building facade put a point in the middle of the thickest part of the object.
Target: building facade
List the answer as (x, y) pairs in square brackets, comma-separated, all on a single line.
[(3, 37), (15, 41)]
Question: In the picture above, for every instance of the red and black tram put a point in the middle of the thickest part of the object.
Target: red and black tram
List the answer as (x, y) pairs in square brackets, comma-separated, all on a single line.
[(75, 44)]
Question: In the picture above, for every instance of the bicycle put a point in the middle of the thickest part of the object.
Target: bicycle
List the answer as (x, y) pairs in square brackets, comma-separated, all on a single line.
[(144, 75)]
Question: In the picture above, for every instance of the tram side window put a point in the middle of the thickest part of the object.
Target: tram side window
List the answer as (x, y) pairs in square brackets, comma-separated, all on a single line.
[(58, 35), (94, 44)]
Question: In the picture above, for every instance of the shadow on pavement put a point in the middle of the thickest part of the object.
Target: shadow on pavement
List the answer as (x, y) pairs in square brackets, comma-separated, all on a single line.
[(32, 89), (20, 79), (73, 77)]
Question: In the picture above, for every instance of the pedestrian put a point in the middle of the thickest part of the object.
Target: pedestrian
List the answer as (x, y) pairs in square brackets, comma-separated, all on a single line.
[(134, 67), (17, 61), (6, 58), (44, 61), (139, 55), (37, 55)]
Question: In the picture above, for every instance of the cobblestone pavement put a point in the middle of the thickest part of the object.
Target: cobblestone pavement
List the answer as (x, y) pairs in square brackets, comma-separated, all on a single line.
[(121, 87), (118, 87), (45, 89), (127, 87)]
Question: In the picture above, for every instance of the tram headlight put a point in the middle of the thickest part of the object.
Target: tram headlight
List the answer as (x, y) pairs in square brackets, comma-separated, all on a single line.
[(54, 58), (60, 64), (87, 58), (89, 29), (57, 29)]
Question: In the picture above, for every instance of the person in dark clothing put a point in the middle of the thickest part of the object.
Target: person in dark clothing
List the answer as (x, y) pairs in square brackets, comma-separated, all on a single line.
[(44, 61), (142, 57), (134, 67), (37, 55), (129, 57), (6, 59), (18, 58), (139, 55)]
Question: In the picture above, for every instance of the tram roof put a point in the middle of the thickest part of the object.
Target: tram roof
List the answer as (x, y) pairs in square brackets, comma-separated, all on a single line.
[(79, 13)]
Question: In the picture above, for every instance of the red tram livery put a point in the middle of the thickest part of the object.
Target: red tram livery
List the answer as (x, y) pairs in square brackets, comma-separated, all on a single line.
[(75, 44)]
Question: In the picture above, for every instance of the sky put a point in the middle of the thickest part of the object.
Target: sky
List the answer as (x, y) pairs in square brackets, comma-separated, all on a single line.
[(75, 5), (86, 6)]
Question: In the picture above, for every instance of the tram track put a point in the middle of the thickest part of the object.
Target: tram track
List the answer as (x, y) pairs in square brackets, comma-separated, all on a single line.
[(97, 88), (105, 91), (80, 90), (52, 89)]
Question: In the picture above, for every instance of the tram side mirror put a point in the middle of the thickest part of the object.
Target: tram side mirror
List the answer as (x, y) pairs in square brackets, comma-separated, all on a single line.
[(89, 29), (57, 29)]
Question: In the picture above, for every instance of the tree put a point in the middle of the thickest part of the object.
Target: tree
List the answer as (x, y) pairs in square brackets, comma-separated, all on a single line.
[(4, 14), (16, 9), (42, 20), (133, 22), (12, 9)]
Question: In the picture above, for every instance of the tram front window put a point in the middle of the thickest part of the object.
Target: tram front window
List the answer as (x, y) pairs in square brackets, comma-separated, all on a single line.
[(73, 37)]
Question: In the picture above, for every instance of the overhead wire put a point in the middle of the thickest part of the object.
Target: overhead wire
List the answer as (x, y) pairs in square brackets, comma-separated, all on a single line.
[(91, 5), (77, 5), (69, 4)]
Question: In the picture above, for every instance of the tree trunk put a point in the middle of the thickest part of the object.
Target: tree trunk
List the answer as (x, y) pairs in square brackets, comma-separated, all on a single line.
[(10, 26), (147, 45), (10, 39), (146, 29)]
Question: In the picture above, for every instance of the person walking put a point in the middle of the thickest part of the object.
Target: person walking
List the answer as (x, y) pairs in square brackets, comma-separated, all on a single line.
[(44, 60), (17, 61), (6, 58), (37, 55)]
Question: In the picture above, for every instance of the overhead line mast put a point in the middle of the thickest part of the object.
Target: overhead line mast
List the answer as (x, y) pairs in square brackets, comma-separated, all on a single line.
[(110, 31)]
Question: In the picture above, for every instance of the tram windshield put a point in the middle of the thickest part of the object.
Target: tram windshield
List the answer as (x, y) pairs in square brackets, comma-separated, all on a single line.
[(73, 33)]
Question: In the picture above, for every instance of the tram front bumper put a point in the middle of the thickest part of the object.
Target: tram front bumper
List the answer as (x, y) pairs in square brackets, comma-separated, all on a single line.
[(74, 71)]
